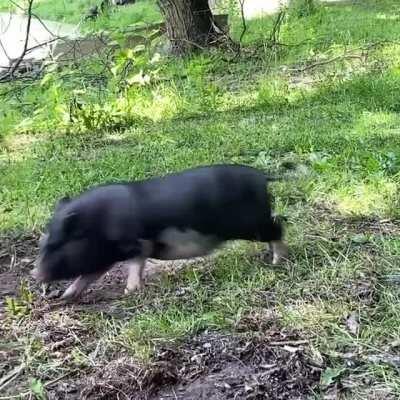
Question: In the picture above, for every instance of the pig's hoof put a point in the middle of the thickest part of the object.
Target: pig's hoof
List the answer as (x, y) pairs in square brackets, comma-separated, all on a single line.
[(267, 257), (280, 256), (70, 296), (133, 289), (280, 251), (279, 259)]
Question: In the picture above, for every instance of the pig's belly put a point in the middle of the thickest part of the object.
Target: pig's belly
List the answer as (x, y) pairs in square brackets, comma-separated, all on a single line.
[(174, 244)]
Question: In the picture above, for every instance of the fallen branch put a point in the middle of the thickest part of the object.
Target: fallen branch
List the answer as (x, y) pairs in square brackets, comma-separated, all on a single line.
[(288, 343), (363, 49), (383, 358), (325, 62)]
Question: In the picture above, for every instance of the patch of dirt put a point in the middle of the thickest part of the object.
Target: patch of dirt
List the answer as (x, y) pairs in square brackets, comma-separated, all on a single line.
[(211, 366), (363, 225), (18, 254)]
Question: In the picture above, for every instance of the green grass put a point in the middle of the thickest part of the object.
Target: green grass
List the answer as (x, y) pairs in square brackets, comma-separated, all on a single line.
[(337, 123), (143, 11)]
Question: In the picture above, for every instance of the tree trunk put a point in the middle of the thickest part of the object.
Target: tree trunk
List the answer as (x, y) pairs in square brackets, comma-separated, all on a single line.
[(189, 24)]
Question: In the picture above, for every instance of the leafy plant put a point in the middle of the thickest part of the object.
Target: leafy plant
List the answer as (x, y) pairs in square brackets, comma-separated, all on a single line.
[(37, 389), (304, 8), (390, 162), (21, 306)]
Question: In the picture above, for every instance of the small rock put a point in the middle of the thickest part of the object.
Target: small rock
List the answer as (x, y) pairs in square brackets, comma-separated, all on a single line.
[(248, 388), (352, 323)]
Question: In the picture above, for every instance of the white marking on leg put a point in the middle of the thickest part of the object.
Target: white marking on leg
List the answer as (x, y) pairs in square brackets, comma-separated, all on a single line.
[(279, 251), (79, 285), (135, 274)]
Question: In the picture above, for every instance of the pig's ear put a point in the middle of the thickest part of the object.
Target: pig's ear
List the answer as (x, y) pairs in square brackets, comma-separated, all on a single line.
[(71, 224)]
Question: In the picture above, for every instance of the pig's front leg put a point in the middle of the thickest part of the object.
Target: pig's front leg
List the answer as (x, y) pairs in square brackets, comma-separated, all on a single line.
[(279, 251), (135, 274), (79, 285)]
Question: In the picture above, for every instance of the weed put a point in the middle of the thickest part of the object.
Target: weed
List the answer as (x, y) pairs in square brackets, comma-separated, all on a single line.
[(37, 389), (21, 306), (304, 8)]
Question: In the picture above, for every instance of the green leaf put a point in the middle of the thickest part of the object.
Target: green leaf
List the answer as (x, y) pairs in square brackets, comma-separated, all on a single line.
[(139, 48), (360, 238), (330, 375), (37, 389), (47, 78)]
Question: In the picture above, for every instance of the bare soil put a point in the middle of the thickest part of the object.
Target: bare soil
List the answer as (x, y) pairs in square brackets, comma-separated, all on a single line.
[(18, 254), (212, 365), (260, 360)]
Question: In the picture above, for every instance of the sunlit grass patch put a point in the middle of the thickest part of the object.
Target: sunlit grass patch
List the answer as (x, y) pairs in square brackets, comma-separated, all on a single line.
[(368, 198)]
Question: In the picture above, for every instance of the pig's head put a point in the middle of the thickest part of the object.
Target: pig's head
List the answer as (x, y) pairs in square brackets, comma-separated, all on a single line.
[(81, 239)]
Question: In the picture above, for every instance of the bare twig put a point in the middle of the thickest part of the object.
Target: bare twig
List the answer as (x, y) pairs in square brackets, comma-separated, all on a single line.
[(189, 42), (28, 29), (4, 50), (288, 343), (329, 61), (9, 378), (276, 29), (244, 25), (8, 24)]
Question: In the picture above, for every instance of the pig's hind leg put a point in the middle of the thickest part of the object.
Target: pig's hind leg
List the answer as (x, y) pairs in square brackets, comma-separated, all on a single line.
[(279, 250), (135, 274)]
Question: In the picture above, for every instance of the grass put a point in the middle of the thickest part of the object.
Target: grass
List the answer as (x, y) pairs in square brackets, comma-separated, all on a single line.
[(113, 18), (337, 124)]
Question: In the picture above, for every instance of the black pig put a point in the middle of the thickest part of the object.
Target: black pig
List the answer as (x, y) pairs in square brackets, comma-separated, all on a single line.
[(179, 216)]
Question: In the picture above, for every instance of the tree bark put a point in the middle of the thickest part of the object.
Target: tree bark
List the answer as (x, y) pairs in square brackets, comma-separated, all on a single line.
[(189, 24)]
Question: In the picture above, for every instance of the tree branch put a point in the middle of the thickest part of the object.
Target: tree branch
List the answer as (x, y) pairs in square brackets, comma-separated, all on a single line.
[(244, 26), (276, 29), (17, 63)]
